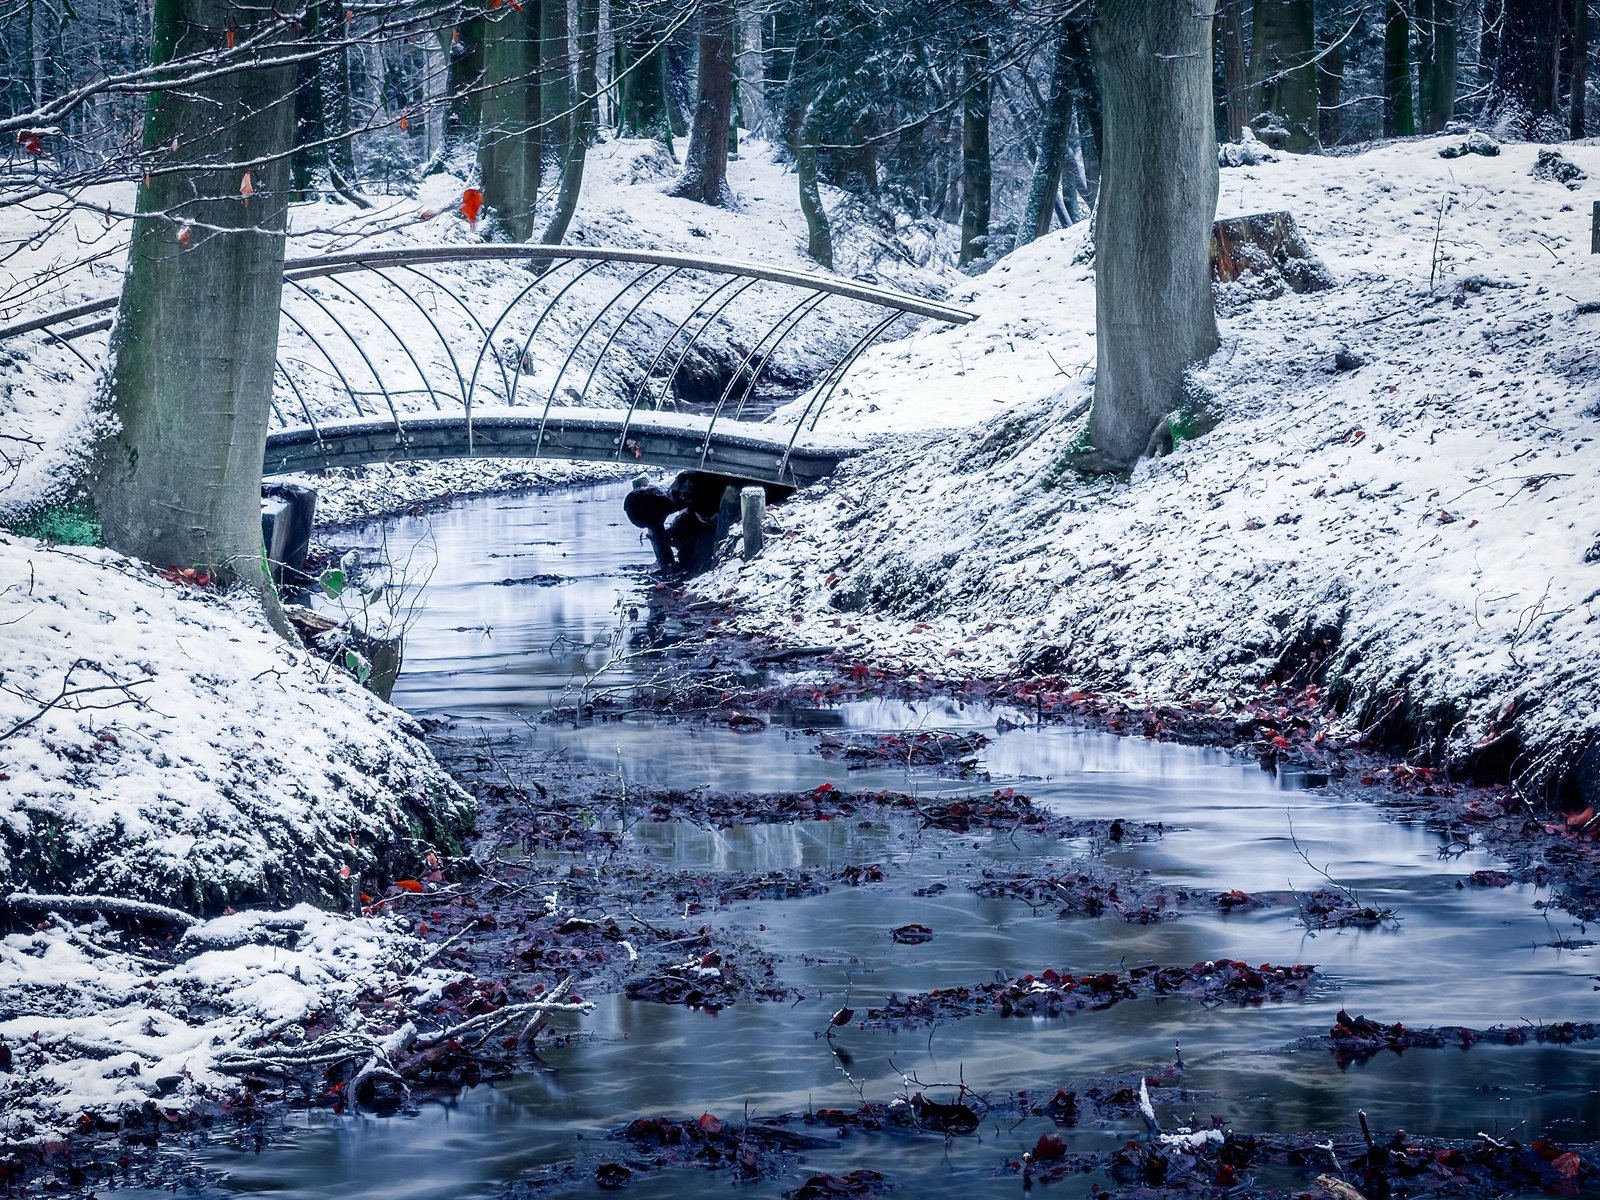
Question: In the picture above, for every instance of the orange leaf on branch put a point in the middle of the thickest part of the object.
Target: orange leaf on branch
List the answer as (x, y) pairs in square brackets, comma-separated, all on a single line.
[(471, 205)]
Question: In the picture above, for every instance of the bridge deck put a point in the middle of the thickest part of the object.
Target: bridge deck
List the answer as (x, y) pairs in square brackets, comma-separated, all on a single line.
[(745, 450)]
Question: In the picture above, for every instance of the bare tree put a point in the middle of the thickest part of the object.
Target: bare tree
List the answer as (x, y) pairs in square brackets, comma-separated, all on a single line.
[(705, 165), (1158, 197), (177, 480)]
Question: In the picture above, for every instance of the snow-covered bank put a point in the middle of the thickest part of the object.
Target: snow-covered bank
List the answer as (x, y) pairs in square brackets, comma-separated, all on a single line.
[(92, 1028), (1403, 480), (162, 743)]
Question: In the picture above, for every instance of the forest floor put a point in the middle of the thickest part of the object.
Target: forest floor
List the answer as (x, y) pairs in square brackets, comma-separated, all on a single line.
[(1395, 514)]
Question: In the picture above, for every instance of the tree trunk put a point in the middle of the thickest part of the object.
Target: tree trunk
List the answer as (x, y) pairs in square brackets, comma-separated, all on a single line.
[(1052, 156), (642, 69), (1578, 125), (705, 165), (1523, 100), (1399, 112), (976, 171), (796, 74), (1283, 71), (322, 108), (1330, 92), (510, 150), (196, 336), (463, 50), (1438, 54), (1158, 195), (585, 122), (555, 79), (1235, 77), (752, 75)]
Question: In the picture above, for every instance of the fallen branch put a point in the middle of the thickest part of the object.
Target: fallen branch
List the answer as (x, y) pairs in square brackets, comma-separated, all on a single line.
[(116, 906)]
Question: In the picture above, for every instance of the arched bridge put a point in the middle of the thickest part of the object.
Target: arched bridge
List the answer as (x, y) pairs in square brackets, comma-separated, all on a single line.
[(381, 359)]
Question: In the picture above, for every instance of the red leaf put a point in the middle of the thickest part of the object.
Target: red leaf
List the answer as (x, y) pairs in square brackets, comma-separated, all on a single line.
[(247, 187), (710, 1124), (1568, 1165), (471, 205), (228, 38), (409, 885)]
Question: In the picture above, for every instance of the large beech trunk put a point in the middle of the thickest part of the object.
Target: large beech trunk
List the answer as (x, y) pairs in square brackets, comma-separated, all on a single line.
[(1158, 194), (705, 165), (195, 341)]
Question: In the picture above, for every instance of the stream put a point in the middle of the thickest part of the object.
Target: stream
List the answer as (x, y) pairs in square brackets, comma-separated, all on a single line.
[(521, 605)]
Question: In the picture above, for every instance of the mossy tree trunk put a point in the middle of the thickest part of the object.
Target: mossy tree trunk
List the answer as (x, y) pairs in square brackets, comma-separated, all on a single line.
[(1158, 194), (510, 140), (195, 341), (1399, 109), (1052, 156), (641, 70), (1438, 57)]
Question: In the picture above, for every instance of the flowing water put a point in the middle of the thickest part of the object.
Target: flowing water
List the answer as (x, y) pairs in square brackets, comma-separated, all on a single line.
[(482, 651)]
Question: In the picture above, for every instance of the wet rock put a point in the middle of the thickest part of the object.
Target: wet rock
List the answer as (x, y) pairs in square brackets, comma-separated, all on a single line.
[(912, 935)]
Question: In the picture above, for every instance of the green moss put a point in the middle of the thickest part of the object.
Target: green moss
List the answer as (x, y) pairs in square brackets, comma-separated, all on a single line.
[(71, 524)]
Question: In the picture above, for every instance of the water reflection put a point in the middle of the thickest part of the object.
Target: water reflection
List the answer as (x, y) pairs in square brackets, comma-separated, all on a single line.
[(483, 651)]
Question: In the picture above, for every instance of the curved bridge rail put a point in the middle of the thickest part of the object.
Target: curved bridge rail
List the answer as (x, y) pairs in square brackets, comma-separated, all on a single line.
[(379, 359)]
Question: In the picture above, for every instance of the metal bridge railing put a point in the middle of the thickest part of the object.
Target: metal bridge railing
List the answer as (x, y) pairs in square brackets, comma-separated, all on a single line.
[(468, 358)]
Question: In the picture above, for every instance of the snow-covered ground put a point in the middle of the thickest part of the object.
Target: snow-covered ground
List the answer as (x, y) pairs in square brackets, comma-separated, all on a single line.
[(1432, 510), (162, 743), (92, 1027)]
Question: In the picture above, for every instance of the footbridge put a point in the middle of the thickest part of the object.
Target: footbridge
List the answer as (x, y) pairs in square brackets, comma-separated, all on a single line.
[(573, 352)]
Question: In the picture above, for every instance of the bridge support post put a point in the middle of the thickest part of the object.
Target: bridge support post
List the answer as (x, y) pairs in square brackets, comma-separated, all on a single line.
[(752, 509)]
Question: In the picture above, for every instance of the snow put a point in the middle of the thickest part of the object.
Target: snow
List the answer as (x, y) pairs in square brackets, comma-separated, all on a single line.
[(94, 1028), (214, 764), (1433, 507)]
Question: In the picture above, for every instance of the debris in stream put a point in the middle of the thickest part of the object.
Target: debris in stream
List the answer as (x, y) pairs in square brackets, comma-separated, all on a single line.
[(860, 1184), (708, 981), (1084, 889), (1339, 908), (1001, 809), (755, 1149), (913, 934), (1054, 994), (1359, 1038), (952, 753)]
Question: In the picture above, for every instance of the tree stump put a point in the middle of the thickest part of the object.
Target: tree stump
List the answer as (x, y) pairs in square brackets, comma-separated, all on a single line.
[(1260, 257)]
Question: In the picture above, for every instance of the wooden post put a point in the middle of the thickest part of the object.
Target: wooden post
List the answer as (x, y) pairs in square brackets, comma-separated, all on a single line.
[(752, 508), (1594, 230)]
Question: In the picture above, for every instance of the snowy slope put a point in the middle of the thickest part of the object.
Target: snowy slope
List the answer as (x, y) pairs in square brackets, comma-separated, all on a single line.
[(1431, 510), (161, 743)]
